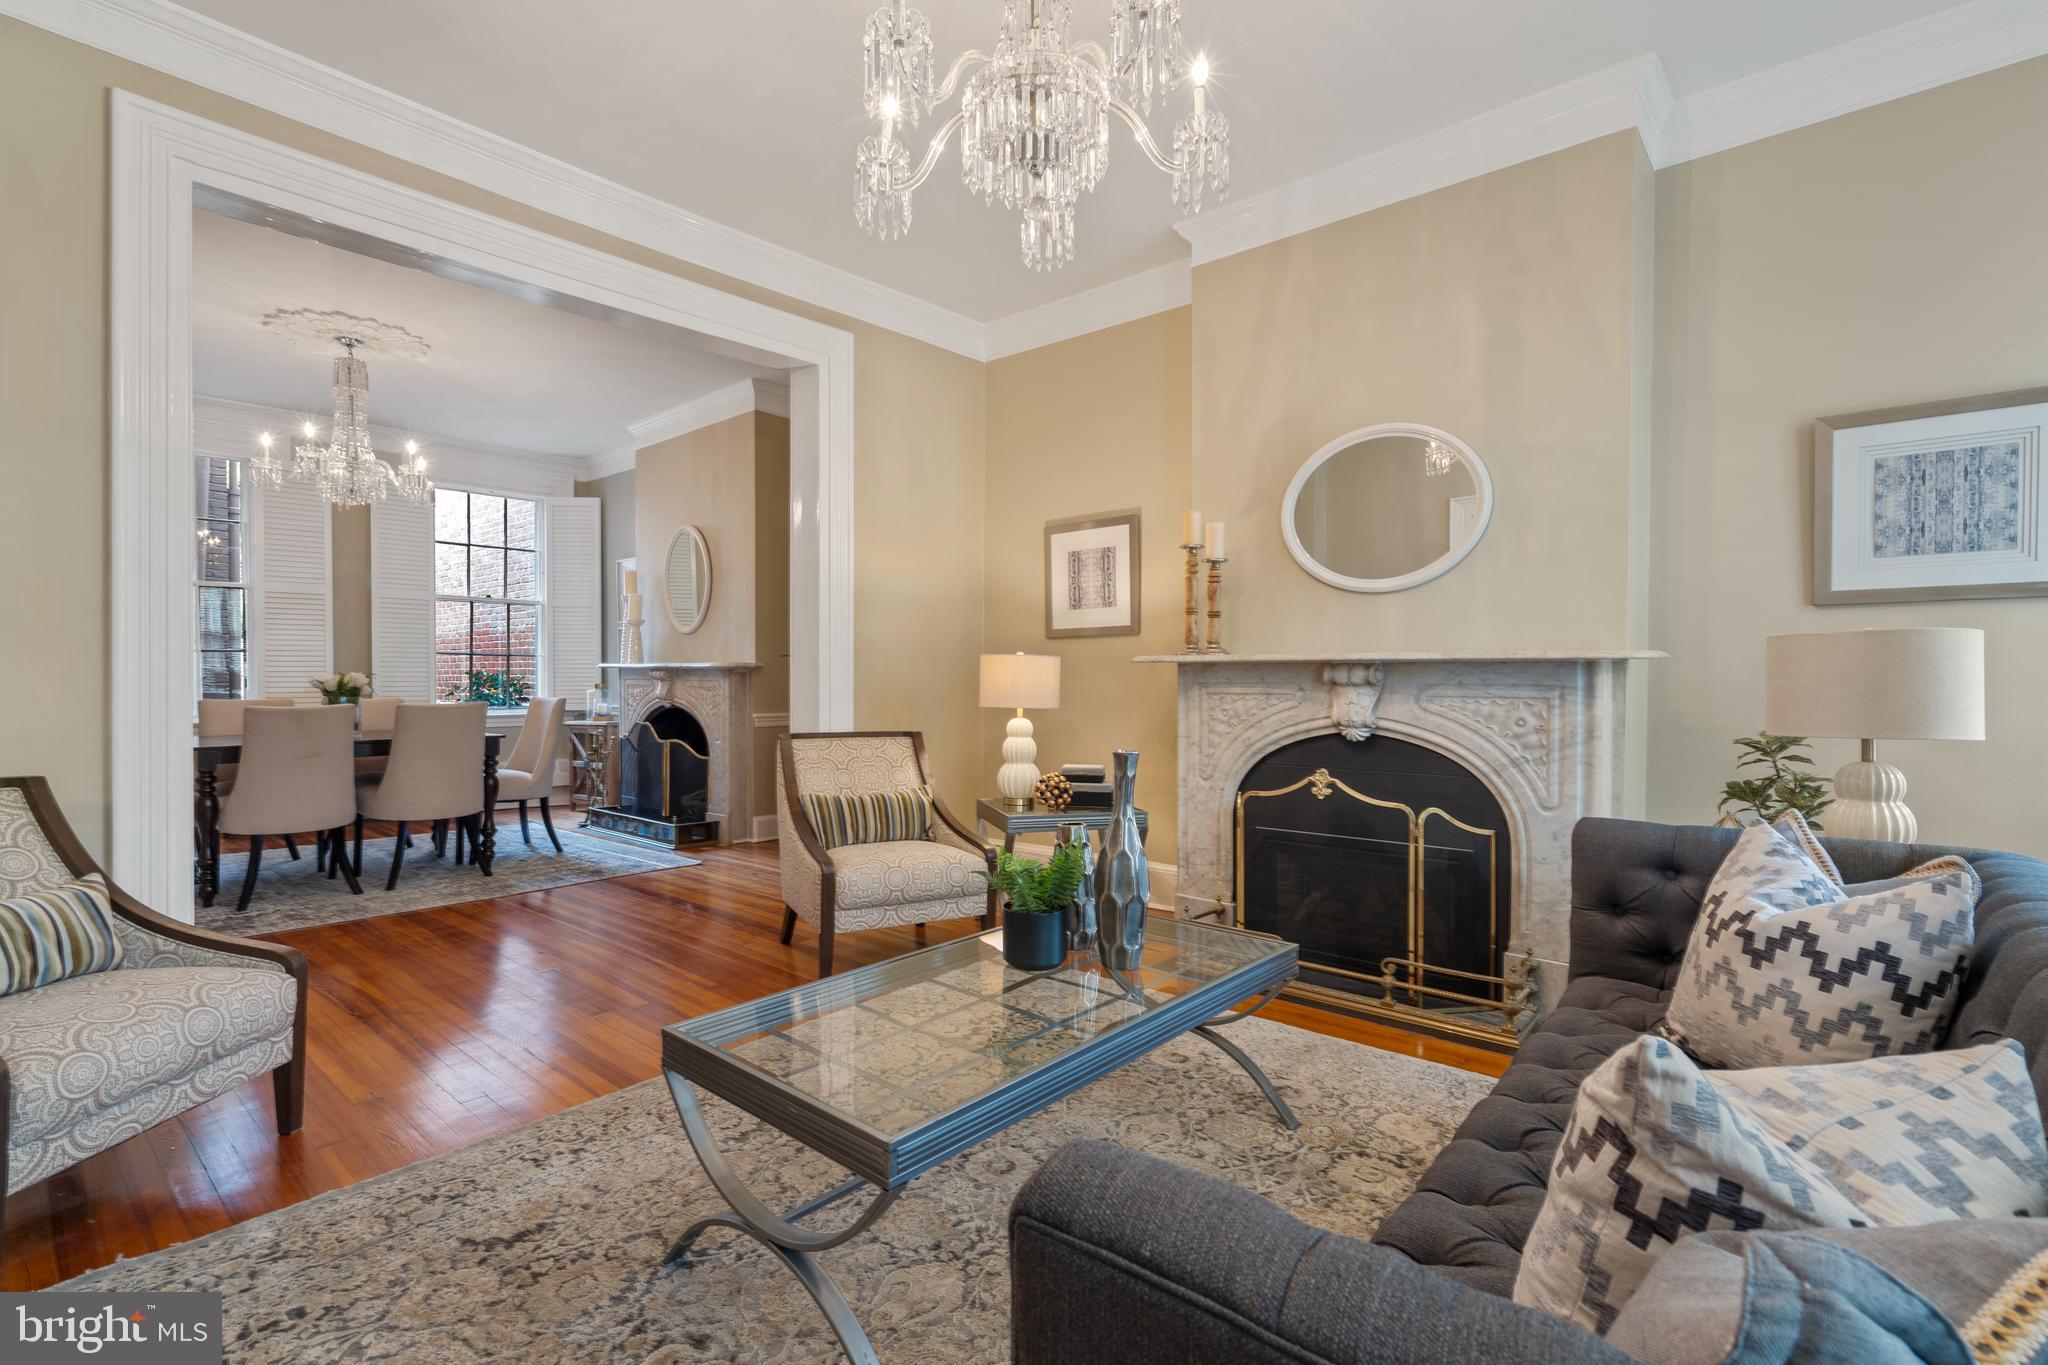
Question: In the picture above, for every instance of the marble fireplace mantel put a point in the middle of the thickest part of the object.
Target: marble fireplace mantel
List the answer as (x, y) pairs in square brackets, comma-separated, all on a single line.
[(1544, 729), (720, 695)]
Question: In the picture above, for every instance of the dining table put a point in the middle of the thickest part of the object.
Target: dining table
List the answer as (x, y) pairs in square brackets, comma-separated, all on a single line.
[(211, 752)]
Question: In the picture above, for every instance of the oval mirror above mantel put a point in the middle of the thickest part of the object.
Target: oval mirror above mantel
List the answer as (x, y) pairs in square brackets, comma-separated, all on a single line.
[(1387, 507), (688, 579)]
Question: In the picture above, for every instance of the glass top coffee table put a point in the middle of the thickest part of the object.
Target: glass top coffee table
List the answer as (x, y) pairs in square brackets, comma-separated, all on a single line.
[(891, 1069)]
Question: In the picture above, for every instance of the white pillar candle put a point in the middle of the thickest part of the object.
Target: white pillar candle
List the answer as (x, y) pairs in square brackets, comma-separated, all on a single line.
[(632, 606), (1191, 529), (629, 581), (1212, 540)]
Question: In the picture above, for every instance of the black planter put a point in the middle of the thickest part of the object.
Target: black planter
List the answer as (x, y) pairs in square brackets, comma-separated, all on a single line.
[(1034, 943)]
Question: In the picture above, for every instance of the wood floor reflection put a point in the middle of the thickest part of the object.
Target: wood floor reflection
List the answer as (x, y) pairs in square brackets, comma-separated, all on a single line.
[(437, 1028)]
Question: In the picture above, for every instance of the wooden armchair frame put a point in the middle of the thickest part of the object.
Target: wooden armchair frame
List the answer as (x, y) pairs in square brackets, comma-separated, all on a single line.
[(814, 847)]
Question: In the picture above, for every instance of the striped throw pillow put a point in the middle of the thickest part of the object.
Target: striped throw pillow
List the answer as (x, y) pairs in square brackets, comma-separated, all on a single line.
[(62, 932), (870, 818)]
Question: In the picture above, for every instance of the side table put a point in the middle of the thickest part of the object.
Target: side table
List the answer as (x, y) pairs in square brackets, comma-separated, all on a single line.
[(989, 813)]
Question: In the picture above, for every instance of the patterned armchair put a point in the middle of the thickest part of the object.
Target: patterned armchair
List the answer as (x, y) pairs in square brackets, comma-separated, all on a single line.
[(871, 886), (91, 1061)]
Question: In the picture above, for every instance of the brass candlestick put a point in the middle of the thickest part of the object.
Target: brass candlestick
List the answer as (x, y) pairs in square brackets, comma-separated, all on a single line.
[(1192, 644), (1215, 644)]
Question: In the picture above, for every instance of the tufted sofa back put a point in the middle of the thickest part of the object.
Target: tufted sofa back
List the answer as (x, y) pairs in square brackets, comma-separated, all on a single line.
[(1636, 888)]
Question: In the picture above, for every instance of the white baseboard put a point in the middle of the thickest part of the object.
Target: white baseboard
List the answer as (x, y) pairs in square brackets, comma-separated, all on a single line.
[(763, 831)]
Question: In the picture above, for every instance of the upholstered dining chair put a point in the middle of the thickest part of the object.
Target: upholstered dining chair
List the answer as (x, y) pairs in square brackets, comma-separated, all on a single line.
[(297, 773), (375, 715), (833, 883), (222, 716), (89, 1061), (529, 774), (436, 774)]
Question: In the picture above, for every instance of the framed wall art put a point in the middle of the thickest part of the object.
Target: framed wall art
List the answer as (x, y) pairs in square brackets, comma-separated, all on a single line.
[(1941, 501), (1092, 575)]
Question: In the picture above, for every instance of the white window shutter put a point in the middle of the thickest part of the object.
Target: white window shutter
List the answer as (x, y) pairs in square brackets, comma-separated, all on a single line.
[(402, 600), (574, 607), (294, 606)]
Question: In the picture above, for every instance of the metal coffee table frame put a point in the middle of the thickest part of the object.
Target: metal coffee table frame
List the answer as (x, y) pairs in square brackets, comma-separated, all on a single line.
[(888, 1164)]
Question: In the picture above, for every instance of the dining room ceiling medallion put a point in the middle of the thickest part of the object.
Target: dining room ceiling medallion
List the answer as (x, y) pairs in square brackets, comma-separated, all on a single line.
[(1034, 114)]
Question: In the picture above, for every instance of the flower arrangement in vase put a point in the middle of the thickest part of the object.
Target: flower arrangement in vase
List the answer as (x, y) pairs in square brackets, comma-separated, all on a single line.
[(342, 689)]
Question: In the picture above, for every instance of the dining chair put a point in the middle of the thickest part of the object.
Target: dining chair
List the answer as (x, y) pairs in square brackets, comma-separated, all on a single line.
[(220, 716), (375, 715), (436, 774), (297, 774), (529, 774)]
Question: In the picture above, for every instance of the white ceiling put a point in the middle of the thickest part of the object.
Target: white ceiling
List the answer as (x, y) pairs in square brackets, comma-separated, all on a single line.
[(747, 116), (502, 372)]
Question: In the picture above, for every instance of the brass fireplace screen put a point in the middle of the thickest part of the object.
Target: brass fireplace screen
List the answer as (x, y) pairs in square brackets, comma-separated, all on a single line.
[(1418, 983)]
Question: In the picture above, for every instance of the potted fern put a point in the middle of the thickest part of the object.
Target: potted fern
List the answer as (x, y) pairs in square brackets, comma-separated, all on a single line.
[(1035, 898)]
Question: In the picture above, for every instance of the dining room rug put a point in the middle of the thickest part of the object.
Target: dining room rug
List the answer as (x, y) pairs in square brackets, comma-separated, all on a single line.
[(545, 1244), (297, 895)]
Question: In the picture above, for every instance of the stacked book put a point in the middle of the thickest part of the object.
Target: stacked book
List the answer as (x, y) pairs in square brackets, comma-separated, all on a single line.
[(1090, 782)]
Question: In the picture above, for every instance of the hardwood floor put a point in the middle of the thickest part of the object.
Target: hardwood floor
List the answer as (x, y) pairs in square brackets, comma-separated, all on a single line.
[(438, 1028)]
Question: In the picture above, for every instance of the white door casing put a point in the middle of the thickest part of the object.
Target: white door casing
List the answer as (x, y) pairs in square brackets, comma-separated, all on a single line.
[(160, 155)]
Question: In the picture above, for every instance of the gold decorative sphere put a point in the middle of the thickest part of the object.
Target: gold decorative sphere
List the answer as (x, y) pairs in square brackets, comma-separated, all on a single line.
[(1054, 792)]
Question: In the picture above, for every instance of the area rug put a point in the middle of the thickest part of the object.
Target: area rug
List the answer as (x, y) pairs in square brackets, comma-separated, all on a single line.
[(546, 1244), (296, 895)]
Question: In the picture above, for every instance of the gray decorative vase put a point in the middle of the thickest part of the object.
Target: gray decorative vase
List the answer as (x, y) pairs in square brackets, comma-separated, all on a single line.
[(1122, 881), (1081, 925)]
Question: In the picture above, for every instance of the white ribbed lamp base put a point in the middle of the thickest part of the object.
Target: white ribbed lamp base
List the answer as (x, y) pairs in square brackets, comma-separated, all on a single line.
[(1018, 777), (1870, 803)]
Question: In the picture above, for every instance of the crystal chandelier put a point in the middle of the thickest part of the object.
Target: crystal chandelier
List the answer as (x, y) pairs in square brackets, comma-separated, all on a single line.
[(1034, 116), (1437, 459), (346, 470)]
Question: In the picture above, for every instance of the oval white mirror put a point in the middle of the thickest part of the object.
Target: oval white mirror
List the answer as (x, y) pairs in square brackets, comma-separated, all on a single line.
[(1387, 507), (689, 579)]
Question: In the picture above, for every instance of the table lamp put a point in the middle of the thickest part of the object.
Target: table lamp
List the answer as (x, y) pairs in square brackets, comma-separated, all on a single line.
[(1922, 682), (1019, 681)]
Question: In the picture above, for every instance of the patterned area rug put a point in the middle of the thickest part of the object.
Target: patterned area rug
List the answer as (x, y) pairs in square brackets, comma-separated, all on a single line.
[(296, 895), (545, 1244)]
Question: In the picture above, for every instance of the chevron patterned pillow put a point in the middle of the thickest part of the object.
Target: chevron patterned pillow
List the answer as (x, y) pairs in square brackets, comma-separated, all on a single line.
[(1657, 1150), (1786, 966)]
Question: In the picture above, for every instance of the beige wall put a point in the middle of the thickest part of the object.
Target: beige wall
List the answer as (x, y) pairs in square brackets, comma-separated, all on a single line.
[(705, 479), (1501, 310), (616, 539), (1096, 424), (349, 573), (1889, 257), (918, 438)]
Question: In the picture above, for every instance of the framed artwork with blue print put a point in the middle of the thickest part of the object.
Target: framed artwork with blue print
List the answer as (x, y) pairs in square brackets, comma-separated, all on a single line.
[(1936, 502)]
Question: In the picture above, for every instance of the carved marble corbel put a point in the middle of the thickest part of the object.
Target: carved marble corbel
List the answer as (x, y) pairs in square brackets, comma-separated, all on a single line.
[(1354, 698)]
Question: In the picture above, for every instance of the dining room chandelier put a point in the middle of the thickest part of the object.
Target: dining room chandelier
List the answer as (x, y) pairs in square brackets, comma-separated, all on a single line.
[(1034, 115), (345, 469)]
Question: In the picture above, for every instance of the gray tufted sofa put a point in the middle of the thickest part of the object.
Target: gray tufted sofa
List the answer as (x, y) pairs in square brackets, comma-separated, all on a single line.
[(90, 1062), (1129, 1258)]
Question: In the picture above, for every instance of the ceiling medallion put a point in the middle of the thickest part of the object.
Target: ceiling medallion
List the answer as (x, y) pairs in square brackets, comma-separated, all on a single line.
[(1034, 115), (322, 326)]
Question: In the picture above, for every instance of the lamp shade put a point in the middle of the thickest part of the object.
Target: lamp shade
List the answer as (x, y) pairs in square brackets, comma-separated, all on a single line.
[(1922, 682), (1020, 681)]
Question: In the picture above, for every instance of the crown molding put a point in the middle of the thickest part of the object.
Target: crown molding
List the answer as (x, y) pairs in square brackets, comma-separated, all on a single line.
[(205, 52), (720, 405), (1955, 43), (1136, 296), (1950, 45), (1607, 101)]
